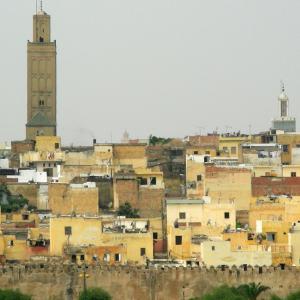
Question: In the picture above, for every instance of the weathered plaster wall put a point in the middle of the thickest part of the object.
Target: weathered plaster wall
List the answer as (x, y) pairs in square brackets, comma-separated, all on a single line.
[(58, 282)]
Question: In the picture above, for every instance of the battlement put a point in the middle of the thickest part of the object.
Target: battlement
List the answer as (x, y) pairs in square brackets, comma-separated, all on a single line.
[(65, 281)]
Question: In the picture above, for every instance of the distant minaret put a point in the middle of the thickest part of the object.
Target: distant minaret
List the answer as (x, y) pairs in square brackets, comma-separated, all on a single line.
[(284, 122), (283, 102), (41, 79)]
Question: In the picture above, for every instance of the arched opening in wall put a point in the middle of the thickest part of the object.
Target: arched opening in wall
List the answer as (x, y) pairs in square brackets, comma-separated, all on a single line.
[(282, 266), (73, 258), (41, 39), (260, 270), (245, 267)]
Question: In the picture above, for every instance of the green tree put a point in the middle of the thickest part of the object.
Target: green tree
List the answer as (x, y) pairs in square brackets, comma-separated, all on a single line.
[(10, 203), (252, 290), (94, 294), (155, 140), (13, 295), (223, 292), (127, 211), (293, 296)]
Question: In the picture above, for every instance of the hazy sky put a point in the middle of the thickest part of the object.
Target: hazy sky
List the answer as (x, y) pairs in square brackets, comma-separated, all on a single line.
[(162, 67)]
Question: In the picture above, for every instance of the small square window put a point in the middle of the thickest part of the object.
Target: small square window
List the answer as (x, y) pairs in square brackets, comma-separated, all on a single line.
[(293, 174), (285, 148), (155, 235), (178, 239), (117, 257), (213, 248), (182, 215), (152, 180), (56, 145), (143, 251), (143, 181), (226, 215), (199, 177), (68, 230), (82, 257), (196, 152)]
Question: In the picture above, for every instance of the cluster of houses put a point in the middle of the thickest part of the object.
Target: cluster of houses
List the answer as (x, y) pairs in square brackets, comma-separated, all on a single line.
[(213, 200)]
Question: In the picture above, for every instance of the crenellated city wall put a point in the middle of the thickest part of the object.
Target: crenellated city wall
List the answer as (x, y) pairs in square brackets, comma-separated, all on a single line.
[(58, 281)]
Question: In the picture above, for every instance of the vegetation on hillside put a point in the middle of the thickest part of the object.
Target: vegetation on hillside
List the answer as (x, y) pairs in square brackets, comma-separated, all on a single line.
[(11, 203)]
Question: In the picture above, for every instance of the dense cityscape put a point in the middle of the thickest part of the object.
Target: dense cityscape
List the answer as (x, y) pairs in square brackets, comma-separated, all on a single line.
[(199, 217)]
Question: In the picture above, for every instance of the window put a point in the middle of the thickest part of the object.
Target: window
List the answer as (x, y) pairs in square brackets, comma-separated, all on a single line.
[(226, 215), (196, 152), (178, 239), (117, 257), (152, 180), (155, 235), (56, 145), (143, 251), (41, 103), (213, 248), (225, 149), (199, 177), (207, 152), (143, 181), (25, 217), (41, 39), (182, 215), (233, 150), (68, 230), (10, 243), (293, 174), (271, 236), (44, 165), (82, 257), (285, 148), (106, 257)]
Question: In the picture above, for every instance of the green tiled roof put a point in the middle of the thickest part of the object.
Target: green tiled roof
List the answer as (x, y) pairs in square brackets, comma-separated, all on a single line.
[(40, 120)]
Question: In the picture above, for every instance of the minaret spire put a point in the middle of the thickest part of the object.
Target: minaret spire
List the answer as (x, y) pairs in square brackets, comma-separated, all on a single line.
[(282, 86)]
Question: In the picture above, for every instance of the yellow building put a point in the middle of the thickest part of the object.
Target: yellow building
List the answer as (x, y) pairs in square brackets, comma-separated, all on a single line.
[(74, 198), (195, 175), (230, 145), (75, 235), (185, 213), (294, 243), (218, 252)]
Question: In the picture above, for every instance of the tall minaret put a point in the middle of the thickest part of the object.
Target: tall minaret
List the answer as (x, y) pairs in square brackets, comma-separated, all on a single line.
[(284, 122), (41, 79)]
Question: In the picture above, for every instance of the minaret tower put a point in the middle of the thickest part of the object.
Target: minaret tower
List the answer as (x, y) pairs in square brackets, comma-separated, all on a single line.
[(284, 122), (41, 79), (283, 102)]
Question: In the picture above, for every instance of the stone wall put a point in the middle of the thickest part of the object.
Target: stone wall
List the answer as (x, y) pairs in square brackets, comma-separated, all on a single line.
[(58, 282)]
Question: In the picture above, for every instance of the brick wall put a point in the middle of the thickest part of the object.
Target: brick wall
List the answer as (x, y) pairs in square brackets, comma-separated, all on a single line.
[(262, 186), (147, 200)]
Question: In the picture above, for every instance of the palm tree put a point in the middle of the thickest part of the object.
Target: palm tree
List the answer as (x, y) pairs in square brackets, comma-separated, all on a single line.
[(252, 290)]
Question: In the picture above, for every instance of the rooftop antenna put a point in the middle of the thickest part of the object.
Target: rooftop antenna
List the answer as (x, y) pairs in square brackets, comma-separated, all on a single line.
[(41, 5)]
